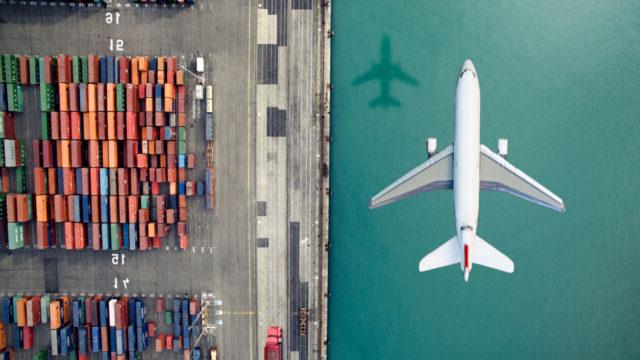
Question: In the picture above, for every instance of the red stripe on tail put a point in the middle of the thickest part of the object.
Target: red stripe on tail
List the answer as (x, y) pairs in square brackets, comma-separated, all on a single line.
[(466, 256)]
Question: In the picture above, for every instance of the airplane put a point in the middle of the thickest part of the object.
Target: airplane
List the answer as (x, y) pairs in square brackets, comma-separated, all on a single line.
[(466, 167), (385, 71)]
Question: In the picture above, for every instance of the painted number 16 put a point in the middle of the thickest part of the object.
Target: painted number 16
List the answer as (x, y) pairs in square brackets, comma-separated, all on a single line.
[(110, 18)]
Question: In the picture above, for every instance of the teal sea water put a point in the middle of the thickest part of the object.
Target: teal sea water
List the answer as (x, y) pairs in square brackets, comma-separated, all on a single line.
[(561, 81)]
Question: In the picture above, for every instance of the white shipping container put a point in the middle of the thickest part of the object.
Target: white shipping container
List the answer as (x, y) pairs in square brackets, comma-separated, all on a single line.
[(9, 153), (200, 64), (54, 342), (209, 91), (199, 92), (112, 312), (31, 322), (209, 106)]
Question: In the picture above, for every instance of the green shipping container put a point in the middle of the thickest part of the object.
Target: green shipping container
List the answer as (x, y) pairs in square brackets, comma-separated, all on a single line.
[(21, 184), (47, 97), (11, 69), (75, 68), (182, 147), (182, 133), (115, 236), (14, 98), (119, 97), (2, 155), (34, 67), (15, 306), (3, 203), (41, 355), (73, 355), (44, 125), (44, 308), (168, 318), (144, 201), (2, 69), (85, 69), (16, 235)]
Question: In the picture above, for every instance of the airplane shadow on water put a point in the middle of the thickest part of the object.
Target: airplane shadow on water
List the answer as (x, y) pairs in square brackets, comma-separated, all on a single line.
[(385, 72)]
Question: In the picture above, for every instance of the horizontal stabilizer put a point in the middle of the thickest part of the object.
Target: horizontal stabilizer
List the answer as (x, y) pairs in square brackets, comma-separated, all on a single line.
[(486, 255), (445, 255)]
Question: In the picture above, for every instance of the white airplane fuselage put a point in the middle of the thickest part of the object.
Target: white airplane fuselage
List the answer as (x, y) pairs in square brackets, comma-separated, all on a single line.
[(466, 160)]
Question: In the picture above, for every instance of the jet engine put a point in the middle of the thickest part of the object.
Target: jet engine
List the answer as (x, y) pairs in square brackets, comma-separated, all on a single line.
[(432, 146), (503, 147)]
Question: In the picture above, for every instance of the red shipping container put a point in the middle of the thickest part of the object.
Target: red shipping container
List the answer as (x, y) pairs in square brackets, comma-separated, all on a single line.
[(155, 188), (131, 98), (76, 153), (113, 209), (47, 154), (68, 235), (171, 216), (102, 125), (142, 160), (156, 242), (70, 207), (94, 154), (9, 125), (95, 209), (42, 241), (52, 181), (11, 207), (151, 326), (121, 314), (194, 307), (144, 242), (73, 97), (64, 68), (54, 121), (132, 203), (27, 337), (65, 125), (22, 206), (159, 304), (49, 72), (69, 177), (191, 161), (94, 180), (124, 69), (24, 70), (168, 343), (182, 174), (120, 126), (122, 209), (75, 123), (158, 119), (93, 74), (36, 157), (39, 181), (79, 235), (132, 126), (86, 187), (160, 343), (101, 97), (104, 338), (59, 208), (183, 241), (95, 236)]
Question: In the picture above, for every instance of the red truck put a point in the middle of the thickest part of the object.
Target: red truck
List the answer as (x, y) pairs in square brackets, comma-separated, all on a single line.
[(273, 347)]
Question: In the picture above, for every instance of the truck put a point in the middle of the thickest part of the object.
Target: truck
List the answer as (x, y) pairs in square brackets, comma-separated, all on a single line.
[(273, 347)]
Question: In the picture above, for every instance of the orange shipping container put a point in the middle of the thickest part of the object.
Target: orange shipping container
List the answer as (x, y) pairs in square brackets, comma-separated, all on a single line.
[(52, 181), (92, 96), (94, 154), (68, 237), (79, 235), (54, 315), (111, 125), (134, 71), (75, 126), (63, 96), (105, 154), (21, 311), (113, 154), (3, 337), (39, 181), (65, 153), (111, 97), (59, 208), (22, 207), (113, 209), (41, 208)]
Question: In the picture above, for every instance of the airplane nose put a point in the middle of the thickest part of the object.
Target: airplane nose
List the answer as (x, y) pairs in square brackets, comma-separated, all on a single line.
[(468, 64), (468, 67)]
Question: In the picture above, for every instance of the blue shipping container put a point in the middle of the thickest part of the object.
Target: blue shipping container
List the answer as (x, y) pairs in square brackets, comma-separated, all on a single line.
[(131, 337), (103, 69), (82, 340), (104, 313), (77, 212), (125, 236), (86, 209), (104, 227), (95, 339), (112, 339), (133, 236), (104, 209), (104, 181), (120, 341)]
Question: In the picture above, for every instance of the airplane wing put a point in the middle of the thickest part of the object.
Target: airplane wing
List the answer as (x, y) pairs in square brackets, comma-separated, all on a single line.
[(372, 74), (496, 173), (397, 73), (435, 174)]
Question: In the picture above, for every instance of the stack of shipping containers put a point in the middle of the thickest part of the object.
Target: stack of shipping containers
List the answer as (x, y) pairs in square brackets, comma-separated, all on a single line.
[(110, 168)]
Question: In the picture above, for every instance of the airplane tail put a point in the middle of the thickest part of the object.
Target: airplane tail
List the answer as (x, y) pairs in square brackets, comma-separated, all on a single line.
[(385, 101), (482, 253), (486, 255)]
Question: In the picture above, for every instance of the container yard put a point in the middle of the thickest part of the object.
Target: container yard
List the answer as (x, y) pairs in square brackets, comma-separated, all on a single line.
[(145, 149)]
